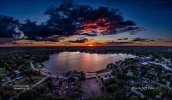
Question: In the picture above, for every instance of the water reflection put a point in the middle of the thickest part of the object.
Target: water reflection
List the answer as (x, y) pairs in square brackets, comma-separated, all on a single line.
[(86, 62)]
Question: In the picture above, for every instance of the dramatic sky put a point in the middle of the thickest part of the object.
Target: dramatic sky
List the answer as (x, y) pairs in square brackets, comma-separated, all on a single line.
[(153, 17)]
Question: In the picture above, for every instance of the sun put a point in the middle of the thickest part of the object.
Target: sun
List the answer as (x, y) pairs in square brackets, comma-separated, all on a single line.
[(90, 45)]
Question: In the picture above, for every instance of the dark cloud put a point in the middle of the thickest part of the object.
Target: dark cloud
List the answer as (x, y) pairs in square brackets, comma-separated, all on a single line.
[(142, 40), (117, 43), (123, 39), (69, 19), (168, 41), (7, 26), (133, 41), (54, 38), (151, 40), (80, 40), (160, 39), (139, 39), (89, 34), (6, 40)]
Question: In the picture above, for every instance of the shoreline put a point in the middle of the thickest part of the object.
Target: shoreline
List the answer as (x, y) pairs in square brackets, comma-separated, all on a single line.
[(49, 71), (44, 69)]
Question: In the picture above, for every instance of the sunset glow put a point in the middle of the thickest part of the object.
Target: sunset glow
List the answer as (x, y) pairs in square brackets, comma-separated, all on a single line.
[(90, 45), (99, 24), (105, 23)]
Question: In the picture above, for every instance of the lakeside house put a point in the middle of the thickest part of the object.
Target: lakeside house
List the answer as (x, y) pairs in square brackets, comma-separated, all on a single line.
[(17, 72)]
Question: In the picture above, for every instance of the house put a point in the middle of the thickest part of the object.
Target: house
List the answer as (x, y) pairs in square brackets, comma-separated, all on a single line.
[(17, 72), (130, 73), (168, 82), (144, 63), (6, 78), (106, 77)]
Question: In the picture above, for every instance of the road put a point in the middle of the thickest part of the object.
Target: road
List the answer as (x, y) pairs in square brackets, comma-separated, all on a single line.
[(12, 80), (42, 72), (138, 93), (32, 86), (37, 83)]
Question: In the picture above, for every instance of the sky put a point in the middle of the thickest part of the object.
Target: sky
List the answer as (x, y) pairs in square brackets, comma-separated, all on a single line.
[(152, 16)]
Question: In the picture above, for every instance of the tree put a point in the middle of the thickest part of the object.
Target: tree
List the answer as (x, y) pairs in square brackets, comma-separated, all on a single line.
[(134, 97), (112, 88), (27, 95), (110, 81)]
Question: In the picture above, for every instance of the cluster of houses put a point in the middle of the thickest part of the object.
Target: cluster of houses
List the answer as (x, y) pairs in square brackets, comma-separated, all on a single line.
[(148, 74), (66, 86), (7, 78), (142, 74)]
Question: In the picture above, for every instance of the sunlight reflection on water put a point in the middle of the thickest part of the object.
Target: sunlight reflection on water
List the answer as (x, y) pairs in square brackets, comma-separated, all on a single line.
[(86, 62)]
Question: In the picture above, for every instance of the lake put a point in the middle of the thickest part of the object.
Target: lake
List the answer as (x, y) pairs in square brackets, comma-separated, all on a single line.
[(86, 62)]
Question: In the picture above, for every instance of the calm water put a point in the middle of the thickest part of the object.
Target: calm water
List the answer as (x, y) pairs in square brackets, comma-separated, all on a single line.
[(86, 62)]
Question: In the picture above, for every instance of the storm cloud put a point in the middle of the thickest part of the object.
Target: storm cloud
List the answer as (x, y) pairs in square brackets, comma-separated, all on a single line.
[(69, 19)]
